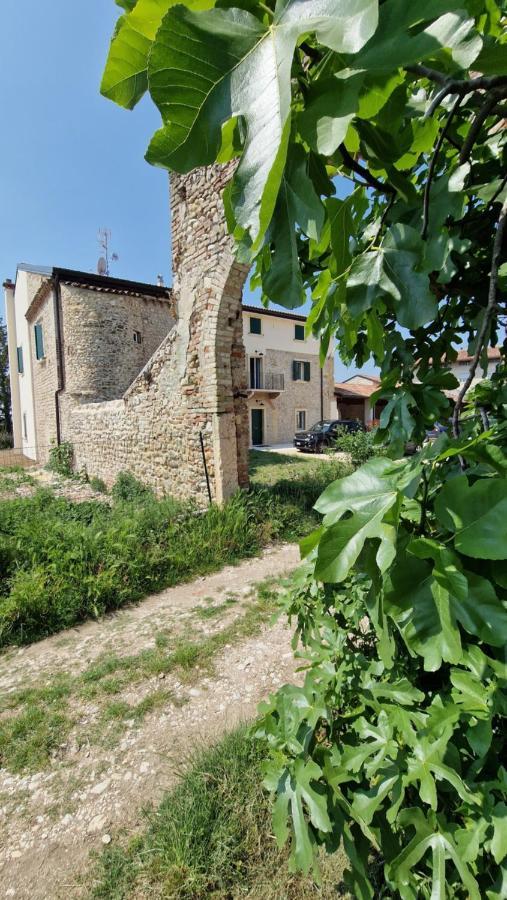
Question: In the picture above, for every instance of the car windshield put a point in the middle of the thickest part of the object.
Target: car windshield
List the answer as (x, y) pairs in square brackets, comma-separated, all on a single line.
[(319, 427)]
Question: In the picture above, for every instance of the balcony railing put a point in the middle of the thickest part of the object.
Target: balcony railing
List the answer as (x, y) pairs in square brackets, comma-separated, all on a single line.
[(269, 381)]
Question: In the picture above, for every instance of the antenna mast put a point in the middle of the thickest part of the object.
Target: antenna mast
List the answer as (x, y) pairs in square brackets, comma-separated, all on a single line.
[(104, 240)]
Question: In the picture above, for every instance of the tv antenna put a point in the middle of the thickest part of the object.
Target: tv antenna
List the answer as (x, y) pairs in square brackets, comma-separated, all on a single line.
[(104, 263)]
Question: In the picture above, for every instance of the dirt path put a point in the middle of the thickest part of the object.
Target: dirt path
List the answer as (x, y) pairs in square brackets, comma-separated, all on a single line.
[(90, 789)]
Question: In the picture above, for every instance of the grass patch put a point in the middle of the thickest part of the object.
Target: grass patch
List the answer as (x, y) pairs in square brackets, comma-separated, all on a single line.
[(212, 837), (35, 721), (63, 562)]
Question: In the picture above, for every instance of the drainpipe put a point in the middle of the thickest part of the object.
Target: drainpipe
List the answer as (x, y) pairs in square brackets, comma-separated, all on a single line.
[(57, 301), (322, 394)]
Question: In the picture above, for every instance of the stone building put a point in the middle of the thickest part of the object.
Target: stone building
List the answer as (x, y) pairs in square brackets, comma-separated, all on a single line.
[(288, 389), (154, 381)]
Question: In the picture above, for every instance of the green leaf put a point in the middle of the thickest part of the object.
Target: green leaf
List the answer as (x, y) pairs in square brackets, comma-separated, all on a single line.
[(423, 611), (366, 803), (283, 282), (391, 273), (499, 839), (206, 68), (397, 43), (331, 106), (371, 482), (296, 795), (341, 543), (476, 514), (125, 78)]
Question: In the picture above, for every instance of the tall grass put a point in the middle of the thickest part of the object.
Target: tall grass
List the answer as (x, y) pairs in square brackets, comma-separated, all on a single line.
[(212, 837), (63, 562)]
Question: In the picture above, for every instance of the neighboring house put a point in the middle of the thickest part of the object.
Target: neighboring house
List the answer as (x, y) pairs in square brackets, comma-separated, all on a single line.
[(288, 389), (461, 368), (353, 396), (75, 338), (353, 399)]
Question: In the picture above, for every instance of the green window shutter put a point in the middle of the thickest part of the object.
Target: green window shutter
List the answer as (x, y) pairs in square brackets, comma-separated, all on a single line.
[(39, 342), (295, 370), (255, 325), (299, 332), (21, 367), (307, 371)]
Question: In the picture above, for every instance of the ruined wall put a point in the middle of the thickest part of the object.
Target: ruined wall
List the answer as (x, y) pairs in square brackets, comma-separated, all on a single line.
[(196, 381)]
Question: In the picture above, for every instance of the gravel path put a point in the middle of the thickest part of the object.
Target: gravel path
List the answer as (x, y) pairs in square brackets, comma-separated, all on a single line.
[(51, 819)]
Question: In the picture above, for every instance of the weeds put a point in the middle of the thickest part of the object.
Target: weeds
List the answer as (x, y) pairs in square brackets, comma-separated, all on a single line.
[(62, 562), (212, 837), (61, 459)]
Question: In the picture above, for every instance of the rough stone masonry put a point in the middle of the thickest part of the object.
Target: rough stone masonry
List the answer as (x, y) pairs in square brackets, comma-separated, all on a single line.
[(195, 383)]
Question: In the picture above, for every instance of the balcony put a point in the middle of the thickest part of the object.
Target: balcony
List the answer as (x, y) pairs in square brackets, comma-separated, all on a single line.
[(268, 382)]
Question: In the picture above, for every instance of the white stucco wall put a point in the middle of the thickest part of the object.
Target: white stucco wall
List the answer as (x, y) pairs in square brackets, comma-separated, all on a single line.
[(27, 284), (277, 334)]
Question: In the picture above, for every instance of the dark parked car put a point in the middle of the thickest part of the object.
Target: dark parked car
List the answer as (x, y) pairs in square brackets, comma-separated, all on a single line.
[(323, 434)]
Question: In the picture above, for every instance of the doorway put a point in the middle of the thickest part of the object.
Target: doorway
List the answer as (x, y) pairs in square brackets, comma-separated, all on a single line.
[(257, 427)]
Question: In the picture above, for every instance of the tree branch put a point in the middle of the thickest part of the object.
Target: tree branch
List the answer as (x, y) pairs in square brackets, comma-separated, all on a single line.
[(426, 72), (462, 88), (431, 171), (485, 110), (490, 309), (349, 161)]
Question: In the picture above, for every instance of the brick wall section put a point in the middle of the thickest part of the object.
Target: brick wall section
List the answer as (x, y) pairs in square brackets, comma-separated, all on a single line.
[(280, 413), (196, 381)]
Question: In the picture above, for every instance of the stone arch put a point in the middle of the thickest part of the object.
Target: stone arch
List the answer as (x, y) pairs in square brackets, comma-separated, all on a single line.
[(194, 387), (208, 283)]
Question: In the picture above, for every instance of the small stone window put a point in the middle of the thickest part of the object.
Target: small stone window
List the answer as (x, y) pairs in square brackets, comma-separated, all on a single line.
[(138, 339), (255, 325), (299, 332)]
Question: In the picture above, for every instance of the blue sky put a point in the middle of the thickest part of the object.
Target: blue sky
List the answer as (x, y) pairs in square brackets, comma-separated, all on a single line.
[(71, 161)]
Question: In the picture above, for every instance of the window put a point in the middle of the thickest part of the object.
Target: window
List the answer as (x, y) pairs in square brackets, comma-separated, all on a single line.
[(255, 325), (255, 373), (299, 332), (39, 341), (300, 370), (138, 337), (21, 367), (301, 420), (25, 427)]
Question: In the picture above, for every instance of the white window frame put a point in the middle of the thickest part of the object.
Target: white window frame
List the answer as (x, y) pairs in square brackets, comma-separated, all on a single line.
[(138, 338), (298, 413)]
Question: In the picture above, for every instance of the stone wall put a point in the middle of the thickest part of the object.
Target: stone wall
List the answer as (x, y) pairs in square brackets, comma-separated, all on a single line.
[(195, 383)]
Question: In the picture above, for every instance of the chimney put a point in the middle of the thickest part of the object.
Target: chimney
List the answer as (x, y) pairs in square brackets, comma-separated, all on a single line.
[(160, 280)]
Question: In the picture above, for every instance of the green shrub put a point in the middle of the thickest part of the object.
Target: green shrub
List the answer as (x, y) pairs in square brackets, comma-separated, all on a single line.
[(98, 485), (128, 488), (359, 444), (61, 459)]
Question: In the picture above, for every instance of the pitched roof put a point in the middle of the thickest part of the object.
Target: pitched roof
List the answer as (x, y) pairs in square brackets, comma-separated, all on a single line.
[(345, 389), (464, 356), (261, 311)]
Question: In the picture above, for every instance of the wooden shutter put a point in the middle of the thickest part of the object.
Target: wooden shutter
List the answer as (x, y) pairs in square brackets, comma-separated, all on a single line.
[(21, 367), (39, 342), (295, 370), (307, 371)]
